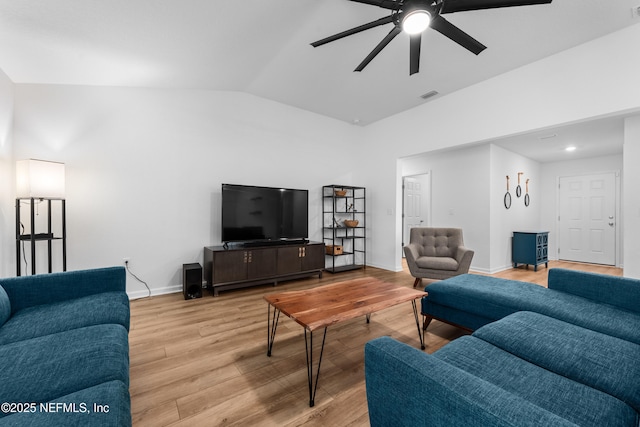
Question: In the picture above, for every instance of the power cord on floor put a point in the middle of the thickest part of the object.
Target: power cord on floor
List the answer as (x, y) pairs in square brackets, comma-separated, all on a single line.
[(126, 265)]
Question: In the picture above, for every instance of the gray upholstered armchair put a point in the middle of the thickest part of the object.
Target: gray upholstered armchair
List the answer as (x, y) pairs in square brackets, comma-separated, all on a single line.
[(436, 253)]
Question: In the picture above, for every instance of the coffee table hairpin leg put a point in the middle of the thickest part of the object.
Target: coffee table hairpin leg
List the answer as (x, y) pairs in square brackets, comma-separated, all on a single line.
[(308, 344), (420, 330), (271, 327)]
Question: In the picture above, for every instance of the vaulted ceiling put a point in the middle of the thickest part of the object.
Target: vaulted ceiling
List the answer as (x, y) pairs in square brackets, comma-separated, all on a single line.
[(262, 47)]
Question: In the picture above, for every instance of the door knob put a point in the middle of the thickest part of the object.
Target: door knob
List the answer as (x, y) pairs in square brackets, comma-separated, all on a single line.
[(611, 224)]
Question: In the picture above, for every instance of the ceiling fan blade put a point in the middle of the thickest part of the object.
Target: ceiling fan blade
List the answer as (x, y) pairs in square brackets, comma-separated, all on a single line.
[(446, 28), (363, 27), (414, 53), (385, 41), (450, 6), (386, 4)]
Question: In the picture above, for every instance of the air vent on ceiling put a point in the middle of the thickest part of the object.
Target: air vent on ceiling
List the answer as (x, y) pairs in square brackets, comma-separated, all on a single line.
[(429, 94)]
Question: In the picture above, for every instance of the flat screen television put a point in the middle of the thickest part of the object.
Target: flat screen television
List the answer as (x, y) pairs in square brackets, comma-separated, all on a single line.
[(264, 214)]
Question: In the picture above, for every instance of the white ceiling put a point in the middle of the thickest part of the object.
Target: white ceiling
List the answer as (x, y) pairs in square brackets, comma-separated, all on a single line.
[(596, 138), (262, 47)]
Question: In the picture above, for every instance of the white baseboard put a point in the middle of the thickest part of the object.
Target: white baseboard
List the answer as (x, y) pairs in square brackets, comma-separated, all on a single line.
[(384, 267), (481, 270), (490, 270)]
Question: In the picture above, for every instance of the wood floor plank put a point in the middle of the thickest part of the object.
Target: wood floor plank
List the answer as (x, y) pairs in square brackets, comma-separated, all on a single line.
[(203, 362), (347, 409), (159, 415)]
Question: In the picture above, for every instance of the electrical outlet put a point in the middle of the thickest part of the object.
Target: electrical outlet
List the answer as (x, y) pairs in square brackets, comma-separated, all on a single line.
[(125, 260)]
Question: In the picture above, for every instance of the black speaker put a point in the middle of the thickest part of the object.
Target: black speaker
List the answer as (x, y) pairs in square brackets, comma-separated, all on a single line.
[(192, 281)]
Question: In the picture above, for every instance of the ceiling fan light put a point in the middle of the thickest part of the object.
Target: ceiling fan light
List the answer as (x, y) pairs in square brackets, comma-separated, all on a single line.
[(416, 21)]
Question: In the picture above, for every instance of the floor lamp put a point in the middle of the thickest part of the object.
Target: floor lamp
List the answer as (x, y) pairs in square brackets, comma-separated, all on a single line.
[(38, 181)]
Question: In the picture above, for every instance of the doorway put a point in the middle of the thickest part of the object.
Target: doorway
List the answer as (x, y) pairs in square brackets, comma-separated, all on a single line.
[(587, 218), (415, 204)]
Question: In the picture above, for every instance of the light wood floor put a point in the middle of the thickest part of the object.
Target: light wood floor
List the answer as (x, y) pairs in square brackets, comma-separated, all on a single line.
[(203, 362)]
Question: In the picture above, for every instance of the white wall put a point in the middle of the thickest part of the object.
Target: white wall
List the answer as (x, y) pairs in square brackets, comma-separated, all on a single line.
[(503, 222), (7, 186), (549, 177), (593, 80), (631, 197), (144, 167)]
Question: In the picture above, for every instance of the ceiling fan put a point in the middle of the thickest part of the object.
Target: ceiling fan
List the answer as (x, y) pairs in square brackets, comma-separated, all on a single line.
[(415, 16)]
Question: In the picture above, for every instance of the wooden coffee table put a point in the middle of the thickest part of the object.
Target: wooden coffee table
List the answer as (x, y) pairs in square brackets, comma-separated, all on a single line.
[(326, 305)]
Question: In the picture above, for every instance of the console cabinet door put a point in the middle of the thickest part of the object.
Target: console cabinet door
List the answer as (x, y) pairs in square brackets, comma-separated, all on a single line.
[(294, 259), (229, 266), (289, 259), (313, 257), (261, 263)]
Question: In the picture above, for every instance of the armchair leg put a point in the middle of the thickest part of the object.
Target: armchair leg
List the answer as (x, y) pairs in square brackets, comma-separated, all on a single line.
[(417, 282)]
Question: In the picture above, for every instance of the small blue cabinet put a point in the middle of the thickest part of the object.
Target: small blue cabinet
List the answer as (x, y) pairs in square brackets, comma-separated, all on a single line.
[(530, 248)]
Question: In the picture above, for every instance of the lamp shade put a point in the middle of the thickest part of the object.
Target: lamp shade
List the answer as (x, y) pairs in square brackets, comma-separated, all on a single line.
[(39, 179)]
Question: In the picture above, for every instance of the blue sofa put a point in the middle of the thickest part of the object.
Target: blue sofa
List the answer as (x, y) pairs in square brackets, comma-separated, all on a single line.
[(64, 349), (565, 355)]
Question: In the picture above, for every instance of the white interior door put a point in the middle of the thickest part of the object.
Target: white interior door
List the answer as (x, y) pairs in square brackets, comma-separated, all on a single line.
[(415, 204), (587, 220)]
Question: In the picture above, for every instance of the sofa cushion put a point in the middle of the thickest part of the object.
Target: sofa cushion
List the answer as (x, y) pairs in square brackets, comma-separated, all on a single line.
[(45, 368), (486, 296), (5, 306), (437, 263), (407, 387), (578, 403), (600, 361), (79, 409), (40, 320), (494, 299)]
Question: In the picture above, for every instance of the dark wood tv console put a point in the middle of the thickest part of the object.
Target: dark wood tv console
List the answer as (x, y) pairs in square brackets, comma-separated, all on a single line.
[(239, 267)]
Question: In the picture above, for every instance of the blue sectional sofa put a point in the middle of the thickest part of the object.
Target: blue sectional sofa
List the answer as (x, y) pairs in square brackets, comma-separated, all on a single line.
[(568, 355), (64, 349)]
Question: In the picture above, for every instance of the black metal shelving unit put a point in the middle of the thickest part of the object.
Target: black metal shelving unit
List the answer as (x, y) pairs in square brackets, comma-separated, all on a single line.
[(32, 237), (345, 245)]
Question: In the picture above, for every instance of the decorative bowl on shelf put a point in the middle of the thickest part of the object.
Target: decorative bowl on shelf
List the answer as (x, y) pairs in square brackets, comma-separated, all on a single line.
[(340, 193), (351, 222)]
